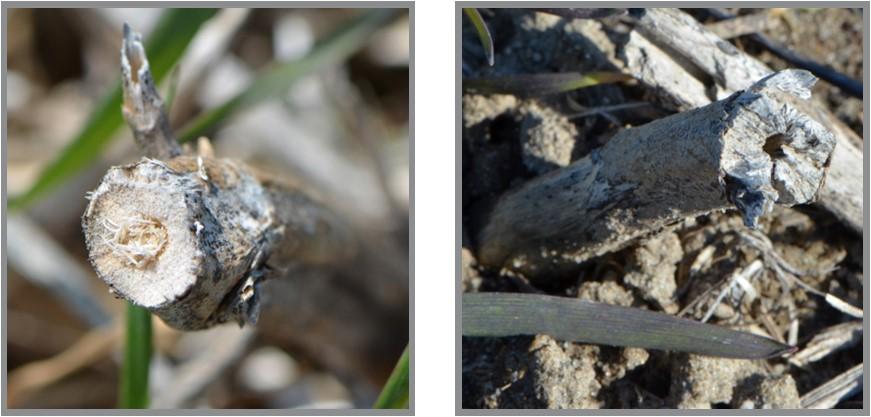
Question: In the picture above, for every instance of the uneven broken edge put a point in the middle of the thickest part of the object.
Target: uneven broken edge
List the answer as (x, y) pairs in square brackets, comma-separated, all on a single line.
[(693, 48), (142, 106), (218, 229), (189, 238), (749, 151)]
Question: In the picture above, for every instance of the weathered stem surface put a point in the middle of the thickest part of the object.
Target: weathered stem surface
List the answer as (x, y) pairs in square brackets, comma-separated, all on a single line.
[(749, 151), (189, 239), (194, 238), (686, 52), (143, 107)]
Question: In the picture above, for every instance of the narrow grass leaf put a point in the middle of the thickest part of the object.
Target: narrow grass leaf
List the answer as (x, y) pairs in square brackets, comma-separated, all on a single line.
[(569, 319), (137, 357), (171, 91), (395, 392), (536, 85), (336, 47), (483, 34), (165, 46)]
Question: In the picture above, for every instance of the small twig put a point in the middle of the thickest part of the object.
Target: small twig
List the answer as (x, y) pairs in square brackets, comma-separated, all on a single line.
[(607, 109), (742, 25), (208, 46), (845, 83), (41, 260), (173, 89), (844, 306), (28, 379), (366, 126), (195, 375), (701, 297), (789, 274), (521, 282), (537, 85), (143, 107), (792, 330), (741, 277), (832, 339), (702, 260), (770, 326), (832, 392), (579, 13)]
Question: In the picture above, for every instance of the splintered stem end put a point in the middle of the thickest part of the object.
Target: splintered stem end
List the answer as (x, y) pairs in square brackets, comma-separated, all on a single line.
[(142, 106)]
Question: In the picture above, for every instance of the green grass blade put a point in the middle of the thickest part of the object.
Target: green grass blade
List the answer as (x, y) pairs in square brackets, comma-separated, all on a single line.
[(570, 319), (173, 87), (483, 34), (137, 356), (336, 47), (395, 391), (536, 85), (165, 46)]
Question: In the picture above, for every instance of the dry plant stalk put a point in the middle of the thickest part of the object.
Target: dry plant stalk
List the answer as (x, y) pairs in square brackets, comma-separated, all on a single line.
[(189, 237), (27, 380), (671, 52), (835, 390), (142, 106), (749, 151)]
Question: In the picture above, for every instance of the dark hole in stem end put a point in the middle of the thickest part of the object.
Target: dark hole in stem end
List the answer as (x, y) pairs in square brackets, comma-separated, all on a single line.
[(774, 146)]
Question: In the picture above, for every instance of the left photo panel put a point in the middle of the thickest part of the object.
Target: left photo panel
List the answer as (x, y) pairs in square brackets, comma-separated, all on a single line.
[(207, 208)]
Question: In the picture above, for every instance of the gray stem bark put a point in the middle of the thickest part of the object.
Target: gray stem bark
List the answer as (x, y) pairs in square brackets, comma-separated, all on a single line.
[(194, 238), (671, 52), (749, 151), (142, 106)]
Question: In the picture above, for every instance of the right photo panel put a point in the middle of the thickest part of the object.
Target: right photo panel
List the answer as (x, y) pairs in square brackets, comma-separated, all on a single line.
[(662, 208)]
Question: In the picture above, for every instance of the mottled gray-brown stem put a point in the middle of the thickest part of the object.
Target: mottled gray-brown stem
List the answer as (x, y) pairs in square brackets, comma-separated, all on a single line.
[(193, 239), (684, 49), (189, 238), (142, 106), (749, 151)]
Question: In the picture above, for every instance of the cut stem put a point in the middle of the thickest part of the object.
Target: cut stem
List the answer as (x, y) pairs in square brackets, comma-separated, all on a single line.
[(690, 46), (192, 239), (189, 239), (651, 176)]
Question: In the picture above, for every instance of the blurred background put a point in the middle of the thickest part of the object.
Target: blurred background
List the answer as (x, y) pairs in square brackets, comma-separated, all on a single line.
[(319, 95)]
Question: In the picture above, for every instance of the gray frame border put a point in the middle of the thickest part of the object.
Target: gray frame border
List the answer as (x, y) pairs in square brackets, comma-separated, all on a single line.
[(410, 6), (458, 164)]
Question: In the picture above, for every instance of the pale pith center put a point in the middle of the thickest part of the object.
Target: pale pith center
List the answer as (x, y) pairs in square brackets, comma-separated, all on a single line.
[(139, 240)]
